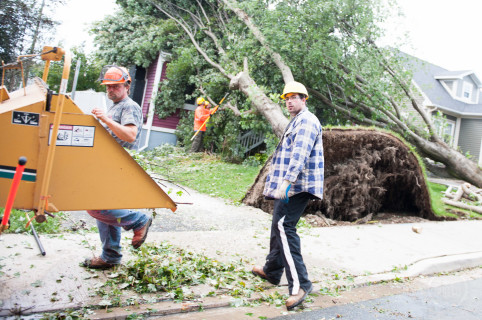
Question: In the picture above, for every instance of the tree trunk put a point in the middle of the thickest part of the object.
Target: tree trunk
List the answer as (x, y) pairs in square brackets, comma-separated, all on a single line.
[(37, 28), (270, 110), (456, 163), (34, 39)]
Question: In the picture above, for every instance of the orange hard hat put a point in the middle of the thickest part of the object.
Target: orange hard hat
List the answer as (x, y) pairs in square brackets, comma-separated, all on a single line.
[(114, 75)]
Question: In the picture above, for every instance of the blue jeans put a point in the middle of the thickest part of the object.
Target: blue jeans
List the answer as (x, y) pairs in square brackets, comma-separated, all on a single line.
[(284, 248), (110, 223)]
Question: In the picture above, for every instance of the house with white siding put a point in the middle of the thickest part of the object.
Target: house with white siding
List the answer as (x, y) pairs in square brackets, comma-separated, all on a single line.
[(457, 96)]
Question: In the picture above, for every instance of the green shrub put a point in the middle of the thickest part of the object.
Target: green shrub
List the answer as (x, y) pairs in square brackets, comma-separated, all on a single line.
[(257, 160)]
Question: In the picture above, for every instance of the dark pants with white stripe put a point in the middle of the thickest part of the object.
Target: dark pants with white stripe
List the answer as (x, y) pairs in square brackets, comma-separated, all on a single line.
[(285, 250)]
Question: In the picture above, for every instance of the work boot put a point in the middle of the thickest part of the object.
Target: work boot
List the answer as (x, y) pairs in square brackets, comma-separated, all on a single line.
[(258, 271), (140, 235), (296, 299), (97, 263)]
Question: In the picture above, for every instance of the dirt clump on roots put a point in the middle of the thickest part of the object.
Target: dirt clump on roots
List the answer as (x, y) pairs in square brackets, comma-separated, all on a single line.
[(367, 172)]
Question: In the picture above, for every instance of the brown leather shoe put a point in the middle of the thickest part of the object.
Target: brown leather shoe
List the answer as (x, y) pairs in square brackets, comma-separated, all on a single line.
[(141, 234), (258, 271), (296, 299), (97, 263)]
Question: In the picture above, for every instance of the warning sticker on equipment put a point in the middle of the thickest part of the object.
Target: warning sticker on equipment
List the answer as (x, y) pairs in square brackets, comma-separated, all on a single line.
[(25, 118), (74, 136)]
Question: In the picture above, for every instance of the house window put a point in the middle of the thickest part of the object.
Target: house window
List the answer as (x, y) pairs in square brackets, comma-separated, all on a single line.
[(467, 90), (445, 128)]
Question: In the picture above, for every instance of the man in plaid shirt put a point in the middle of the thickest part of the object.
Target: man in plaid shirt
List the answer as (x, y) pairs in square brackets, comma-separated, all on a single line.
[(295, 177)]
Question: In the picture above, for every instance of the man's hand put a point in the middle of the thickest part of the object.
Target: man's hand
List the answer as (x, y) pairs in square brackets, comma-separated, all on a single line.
[(100, 114), (126, 132), (282, 191)]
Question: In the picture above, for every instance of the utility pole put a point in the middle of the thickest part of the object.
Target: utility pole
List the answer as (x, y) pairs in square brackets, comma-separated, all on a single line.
[(76, 76)]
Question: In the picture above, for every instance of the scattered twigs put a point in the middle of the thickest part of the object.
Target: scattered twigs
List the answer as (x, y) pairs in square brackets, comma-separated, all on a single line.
[(462, 205), (458, 195), (467, 188), (158, 179), (448, 192), (466, 197)]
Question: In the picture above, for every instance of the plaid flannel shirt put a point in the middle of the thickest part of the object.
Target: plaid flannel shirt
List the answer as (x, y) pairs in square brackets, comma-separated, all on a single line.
[(298, 158)]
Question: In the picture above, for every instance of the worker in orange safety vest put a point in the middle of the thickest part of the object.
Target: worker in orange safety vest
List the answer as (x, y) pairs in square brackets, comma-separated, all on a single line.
[(201, 114)]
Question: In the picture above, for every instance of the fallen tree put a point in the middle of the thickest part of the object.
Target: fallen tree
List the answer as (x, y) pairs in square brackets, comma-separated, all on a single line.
[(366, 171), (331, 48)]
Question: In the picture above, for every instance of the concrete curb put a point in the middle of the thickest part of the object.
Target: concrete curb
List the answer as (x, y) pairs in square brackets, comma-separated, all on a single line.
[(428, 266), (449, 263)]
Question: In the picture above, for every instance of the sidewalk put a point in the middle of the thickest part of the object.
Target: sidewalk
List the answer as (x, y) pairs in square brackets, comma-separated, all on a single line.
[(368, 253)]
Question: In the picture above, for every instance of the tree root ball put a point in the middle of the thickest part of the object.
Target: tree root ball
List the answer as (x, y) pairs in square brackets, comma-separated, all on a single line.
[(366, 171)]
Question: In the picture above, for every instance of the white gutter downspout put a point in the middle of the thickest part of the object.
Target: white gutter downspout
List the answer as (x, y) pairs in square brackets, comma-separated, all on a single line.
[(155, 87), (458, 124)]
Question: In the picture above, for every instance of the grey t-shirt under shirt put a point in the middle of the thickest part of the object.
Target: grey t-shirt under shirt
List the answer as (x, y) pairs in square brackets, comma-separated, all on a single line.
[(126, 111)]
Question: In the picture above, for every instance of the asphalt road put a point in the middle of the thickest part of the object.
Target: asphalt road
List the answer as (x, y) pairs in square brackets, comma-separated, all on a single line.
[(455, 301)]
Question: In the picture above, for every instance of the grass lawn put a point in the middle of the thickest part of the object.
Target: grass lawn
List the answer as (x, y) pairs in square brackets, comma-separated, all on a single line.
[(440, 208), (18, 221), (205, 173)]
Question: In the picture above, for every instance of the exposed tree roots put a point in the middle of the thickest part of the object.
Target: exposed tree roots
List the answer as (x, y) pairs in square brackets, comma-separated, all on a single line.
[(366, 172)]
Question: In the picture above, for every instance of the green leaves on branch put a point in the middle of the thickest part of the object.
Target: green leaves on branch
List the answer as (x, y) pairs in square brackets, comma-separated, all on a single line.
[(127, 38)]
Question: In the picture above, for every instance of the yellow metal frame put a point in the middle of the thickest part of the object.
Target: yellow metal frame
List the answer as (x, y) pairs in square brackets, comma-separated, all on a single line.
[(58, 116), (97, 175)]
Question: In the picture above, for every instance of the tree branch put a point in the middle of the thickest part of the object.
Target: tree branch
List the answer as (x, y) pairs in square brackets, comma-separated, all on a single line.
[(236, 111), (277, 59), (202, 10), (395, 118), (193, 40), (404, 86), (407, 89), (219, 17), (348, 113), (206, 29)]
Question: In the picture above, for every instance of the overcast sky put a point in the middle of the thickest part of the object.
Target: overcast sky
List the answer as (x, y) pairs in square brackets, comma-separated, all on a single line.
[(75, 17), (445, 33)]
